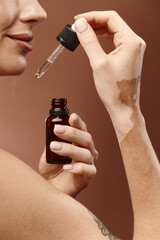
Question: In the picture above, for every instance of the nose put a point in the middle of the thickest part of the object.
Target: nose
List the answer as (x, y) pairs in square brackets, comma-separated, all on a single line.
[(32, 12)]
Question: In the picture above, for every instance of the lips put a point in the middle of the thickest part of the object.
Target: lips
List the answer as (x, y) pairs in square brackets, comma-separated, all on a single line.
[(23, 40)]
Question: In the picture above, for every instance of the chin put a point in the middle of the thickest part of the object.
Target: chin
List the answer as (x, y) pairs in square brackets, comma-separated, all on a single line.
[(16, 71), (13, 68)]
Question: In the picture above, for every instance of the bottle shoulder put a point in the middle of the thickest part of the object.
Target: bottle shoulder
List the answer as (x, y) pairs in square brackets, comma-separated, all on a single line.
[(60, 119)]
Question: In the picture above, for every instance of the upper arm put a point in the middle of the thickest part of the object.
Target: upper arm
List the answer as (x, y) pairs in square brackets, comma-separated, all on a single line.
[(30, 208)]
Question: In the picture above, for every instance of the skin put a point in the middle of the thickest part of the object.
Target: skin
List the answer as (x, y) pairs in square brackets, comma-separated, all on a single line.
[(19, 17), (117, 79), (35, 207), (16, 17), (31, 208), (80, 173)]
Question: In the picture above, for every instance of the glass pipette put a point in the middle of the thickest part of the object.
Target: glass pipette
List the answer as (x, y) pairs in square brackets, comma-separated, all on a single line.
[(49, 61), (68, 39)]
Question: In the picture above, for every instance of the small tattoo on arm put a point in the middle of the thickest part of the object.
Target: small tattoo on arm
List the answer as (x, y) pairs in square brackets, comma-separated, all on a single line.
[(103, 229)]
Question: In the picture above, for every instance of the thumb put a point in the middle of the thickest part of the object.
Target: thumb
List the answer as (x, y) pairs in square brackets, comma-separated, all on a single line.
[(89, 41)]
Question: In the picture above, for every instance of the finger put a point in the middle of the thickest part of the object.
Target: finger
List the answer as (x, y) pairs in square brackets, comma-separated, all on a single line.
[(72, 151), (89, 42), (94, 18), (76, 136), (111, 19), (87, 171), (76, 122), (122, 33)]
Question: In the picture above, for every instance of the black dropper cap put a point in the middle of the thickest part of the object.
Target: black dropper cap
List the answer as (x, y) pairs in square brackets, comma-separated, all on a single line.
[(68, 38)]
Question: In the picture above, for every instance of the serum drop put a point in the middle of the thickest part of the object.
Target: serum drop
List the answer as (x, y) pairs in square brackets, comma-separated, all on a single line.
[(59, 114)]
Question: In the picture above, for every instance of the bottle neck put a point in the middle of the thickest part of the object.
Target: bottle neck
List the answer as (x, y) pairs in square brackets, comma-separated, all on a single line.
[(59, 107)]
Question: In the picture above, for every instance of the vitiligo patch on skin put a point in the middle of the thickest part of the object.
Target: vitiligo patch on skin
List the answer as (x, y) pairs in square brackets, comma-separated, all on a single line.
[(129, 97), (128, 91)]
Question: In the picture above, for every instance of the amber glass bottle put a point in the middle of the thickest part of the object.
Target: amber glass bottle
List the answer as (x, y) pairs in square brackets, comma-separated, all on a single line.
[(59, 114)]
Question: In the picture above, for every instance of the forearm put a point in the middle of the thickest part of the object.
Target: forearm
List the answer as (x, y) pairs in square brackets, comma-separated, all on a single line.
[(142, 170), (117, 79)]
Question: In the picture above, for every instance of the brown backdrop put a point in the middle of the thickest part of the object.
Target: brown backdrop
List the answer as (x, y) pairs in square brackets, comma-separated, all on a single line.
[(25, 102)]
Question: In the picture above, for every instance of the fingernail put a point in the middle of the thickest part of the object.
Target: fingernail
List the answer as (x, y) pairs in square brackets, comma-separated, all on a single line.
[(59, 128), (68, 167), (56, 145), (81, 25)]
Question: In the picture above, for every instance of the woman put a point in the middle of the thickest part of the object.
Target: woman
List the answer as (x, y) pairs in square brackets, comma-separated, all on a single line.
[(18, 17), (31, 207), (17, 21)]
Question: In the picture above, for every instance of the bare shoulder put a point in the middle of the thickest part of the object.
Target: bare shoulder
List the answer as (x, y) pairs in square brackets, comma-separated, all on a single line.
[(4, 155), (56, 215), (11, 163)]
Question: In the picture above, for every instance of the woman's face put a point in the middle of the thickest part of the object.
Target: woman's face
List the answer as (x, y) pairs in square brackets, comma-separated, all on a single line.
[(17, 18)]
